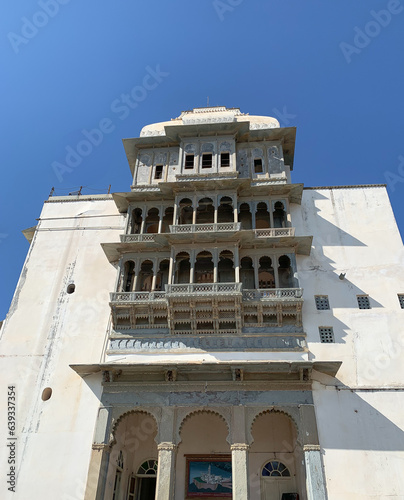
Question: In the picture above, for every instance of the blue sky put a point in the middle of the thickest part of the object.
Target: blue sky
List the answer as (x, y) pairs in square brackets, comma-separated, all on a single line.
[(334, 69)]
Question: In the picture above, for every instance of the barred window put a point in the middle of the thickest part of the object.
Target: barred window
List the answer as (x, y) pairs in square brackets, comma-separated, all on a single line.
[(363, 301), (326, 334), (401, 300), (322, 302)]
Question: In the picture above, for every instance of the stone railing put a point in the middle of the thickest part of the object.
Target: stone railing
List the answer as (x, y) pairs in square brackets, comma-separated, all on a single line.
[(273, 294), (135, 238), (203, 228), (128, 297), (274, 232), (203, 288)]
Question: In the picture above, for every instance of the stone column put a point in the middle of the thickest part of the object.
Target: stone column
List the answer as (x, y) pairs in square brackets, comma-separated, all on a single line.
[(235, 212), (215, 258), (166, 471), (236, 265), (256, 266), (175, 213), (136, 278), (155, 271), (315, 480), (253, 210), (161, 214), (239, 463), (192, 266)]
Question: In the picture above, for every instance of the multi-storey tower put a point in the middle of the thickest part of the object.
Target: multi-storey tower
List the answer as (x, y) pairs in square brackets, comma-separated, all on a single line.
[(227, 333)]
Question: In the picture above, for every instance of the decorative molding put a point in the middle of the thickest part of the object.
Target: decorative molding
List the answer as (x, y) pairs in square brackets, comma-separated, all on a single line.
[(311, 447), (239, 447), (166, 447)]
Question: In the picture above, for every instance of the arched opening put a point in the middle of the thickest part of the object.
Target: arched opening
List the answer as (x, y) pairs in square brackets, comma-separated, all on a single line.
[(266, 276), (225, 210), (145, 278), (205, 212), (225, 267), (136, 221), (203, 433), (245, 217), (132, 467), (279, 215), (167, 220), (285, 273), (275, 457), (204, 268), (162, 275), (128, 276), (247, 273), (152, 221), (182, 267), (262, 219), (186, 211)]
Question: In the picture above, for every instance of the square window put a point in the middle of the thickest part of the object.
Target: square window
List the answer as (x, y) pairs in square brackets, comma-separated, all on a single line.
[(158, 174), (189, 161), (326, 334), (207, 160), (322, 302), (225, 159), (401, 300), (363, 301), (258, 165)]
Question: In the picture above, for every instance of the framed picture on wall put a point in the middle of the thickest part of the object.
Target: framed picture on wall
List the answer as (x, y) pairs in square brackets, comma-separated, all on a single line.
[(208, 476)]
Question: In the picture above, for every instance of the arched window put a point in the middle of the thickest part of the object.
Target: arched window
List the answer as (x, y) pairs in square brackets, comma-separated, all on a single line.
[(225, 210), (162, 275), (182, 267), (244, 216), (136, 221), (262, 220), (205, 213), (185, 211), (152, 221), (148, 468), (225, 267), (285, 272), (247, 273), (275, 469), (143, 484), (204, 268), (279, 215), (146, 276), (128, 277), (266, 276)]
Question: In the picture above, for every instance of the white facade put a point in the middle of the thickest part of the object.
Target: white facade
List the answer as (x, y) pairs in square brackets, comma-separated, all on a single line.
[(178, 324)]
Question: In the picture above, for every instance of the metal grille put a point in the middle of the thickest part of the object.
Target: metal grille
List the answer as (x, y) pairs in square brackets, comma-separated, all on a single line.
[(322, 302), (363, 301), (401, 300), (326, 334)]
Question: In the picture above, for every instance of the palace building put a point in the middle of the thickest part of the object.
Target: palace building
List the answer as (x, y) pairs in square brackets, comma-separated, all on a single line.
[(216, 331)]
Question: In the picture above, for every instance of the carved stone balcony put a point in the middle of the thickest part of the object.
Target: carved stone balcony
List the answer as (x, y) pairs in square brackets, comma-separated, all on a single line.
[(137, 238), (207, 289), (136, 297), (203, 228), (273, 294), (274, 232)]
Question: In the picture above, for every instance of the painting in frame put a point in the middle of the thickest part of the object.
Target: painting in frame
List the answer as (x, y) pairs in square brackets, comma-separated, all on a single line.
[(208, 476)]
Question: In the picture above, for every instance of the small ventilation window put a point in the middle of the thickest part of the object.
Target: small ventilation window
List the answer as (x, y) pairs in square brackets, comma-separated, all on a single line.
[(258, 165), (189, 161), (322, 302), (159, 172), (326, 334), (70, 288), (225, 159), (207, 160), (275, 469), (401, 300), (363, 301), (46, 394)]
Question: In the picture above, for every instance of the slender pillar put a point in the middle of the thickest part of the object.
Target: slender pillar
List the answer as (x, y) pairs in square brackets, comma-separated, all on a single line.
[(191, 266), (215, 214), (161, 219), (171, 267), (154, 279), (175, 213), (275, 265), (166, 471), (256, 266), (193, 215), (253, 210), (315, 481), (215, 257), (135, 279), (235, 212), (239, 464)]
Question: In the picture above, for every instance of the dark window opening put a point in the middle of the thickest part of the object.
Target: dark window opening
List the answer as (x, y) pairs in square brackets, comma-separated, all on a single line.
[(326, 334), (401, 300), (225, 159), (258, 165), (207, 160), (322, 302), (363, 301), (159, 172), (189, 161)]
